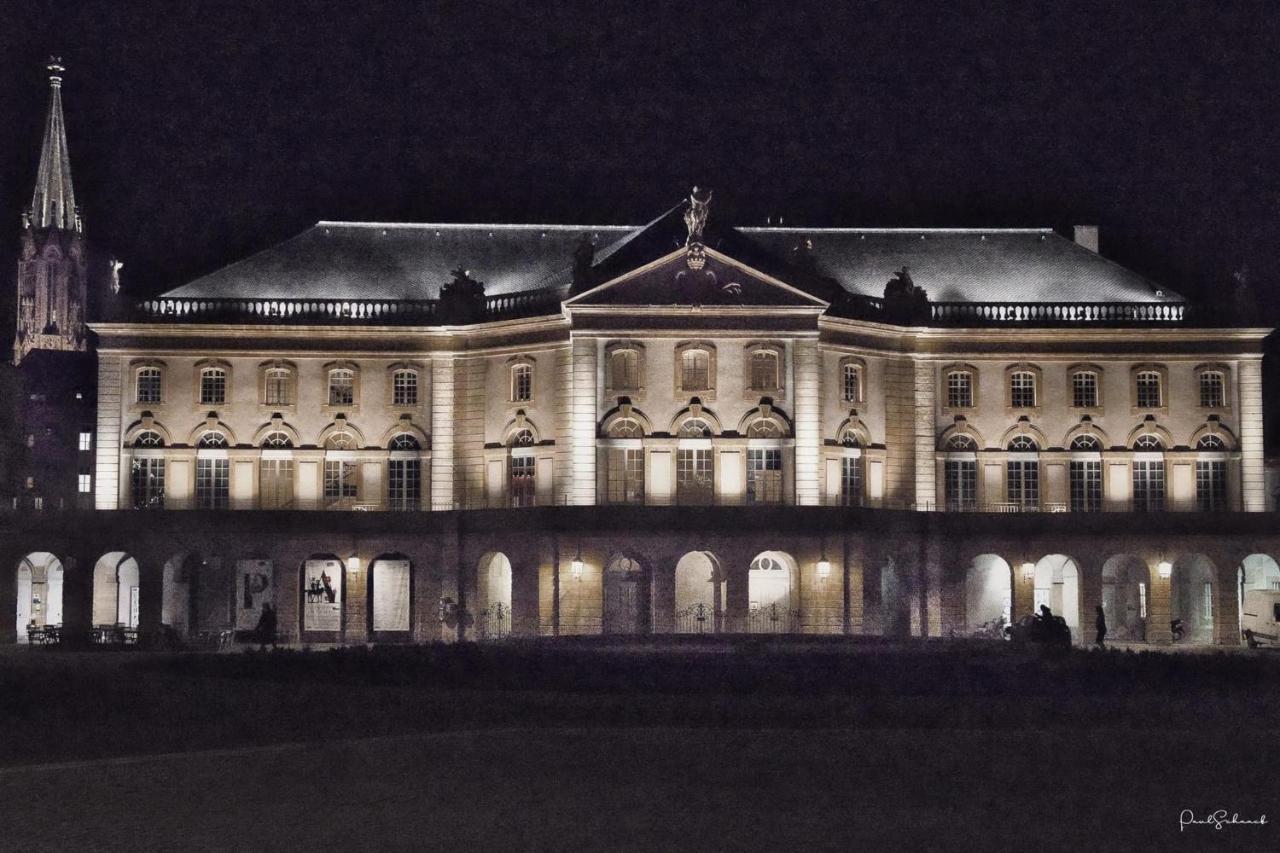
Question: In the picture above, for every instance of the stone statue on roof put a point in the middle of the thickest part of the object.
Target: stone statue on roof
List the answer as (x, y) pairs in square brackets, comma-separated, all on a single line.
[(695, 218)]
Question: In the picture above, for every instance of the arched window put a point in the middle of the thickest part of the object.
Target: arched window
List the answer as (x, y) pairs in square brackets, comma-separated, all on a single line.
[(404, 387), (764, 370), (626, 428), (521, 382), (1085, 473), (764, 428), (961, 444), (148, 438), (695, 370), (849, 438), (277, 441), (148, 385), (624, 370), (522, 438), (694, 428), (1148, 474), (1022, 481), (212, 439), (340, 440), (1211, 474), (213, 386), (1211, 442), (342, 386), (404, 473)]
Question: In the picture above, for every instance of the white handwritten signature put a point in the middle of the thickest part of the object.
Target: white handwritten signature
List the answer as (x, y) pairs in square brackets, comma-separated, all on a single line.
[(1217, 820)]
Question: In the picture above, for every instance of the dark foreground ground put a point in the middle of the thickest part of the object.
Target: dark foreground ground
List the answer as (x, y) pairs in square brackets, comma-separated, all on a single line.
[(579, 746)]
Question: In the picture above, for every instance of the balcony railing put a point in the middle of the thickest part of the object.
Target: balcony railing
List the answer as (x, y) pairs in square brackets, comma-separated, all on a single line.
[(1021, 313)]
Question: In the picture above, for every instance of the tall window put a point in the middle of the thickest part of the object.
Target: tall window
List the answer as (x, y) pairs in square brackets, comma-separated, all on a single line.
[(764, 370), (342, 387), (961, 474), (1086, 475), (695, 370), (213, 480), (1211, 476), (278, 387), (1213, 394), (1084, 389), (341, 476), (522, 383), (522, 481), (404, 388), (1022, 389), (625, 475), (86, 441), (852, 383), (624, 370), (764, 475), (1022, 483), (1148, 390), (1148, 476), (694, 484), (851, 481), (146, 480), (404, 473), (959, 389), (148, 390), (275, 483), (213, 386)]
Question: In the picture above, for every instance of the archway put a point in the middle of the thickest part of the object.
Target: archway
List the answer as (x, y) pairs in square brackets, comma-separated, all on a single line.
[(39, 594), (391, 594), (116, 590), (988, 596), (1191, 597), (1057, 584), (196, 595), (699, 602), (1125, 584), (180, 575), (895, 598), (493, 596), (769, 588), (1256, 571), (626, 596)]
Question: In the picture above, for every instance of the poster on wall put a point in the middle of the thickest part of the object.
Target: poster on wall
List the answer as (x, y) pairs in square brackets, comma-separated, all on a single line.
[(322, 595), (391, 595), (254, 588)]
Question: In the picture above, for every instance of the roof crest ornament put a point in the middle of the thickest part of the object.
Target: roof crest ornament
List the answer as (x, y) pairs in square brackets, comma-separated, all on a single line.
[(695, 219)]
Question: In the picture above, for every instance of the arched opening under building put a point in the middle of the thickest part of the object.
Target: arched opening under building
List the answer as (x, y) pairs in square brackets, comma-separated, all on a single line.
[(771, 604), (1126, 584), (1256, 571), (196, 596), (180, 576), (988, 596), (391, 596), (699, 600), (116, 591), (894, 588), (322, 594), (1191, 594), (1057, 584), (493, 596), (626, 596), (39, 595)]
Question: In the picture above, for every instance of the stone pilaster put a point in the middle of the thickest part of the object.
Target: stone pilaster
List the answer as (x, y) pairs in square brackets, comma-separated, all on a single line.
[(1252, 477), (583, 420), (924, 440), (442, 414), (808, 423), (111, 382)]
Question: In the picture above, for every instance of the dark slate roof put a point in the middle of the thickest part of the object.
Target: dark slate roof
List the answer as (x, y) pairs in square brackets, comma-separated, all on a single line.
[(337, 260)]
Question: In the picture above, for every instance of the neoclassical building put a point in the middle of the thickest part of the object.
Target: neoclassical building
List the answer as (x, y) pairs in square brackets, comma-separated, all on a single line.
[(399, 432)]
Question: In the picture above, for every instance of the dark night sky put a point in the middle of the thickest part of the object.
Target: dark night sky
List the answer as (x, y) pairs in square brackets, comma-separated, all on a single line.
[(202, 131)]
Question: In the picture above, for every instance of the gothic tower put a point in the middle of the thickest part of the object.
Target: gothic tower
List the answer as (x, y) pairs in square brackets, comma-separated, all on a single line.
[(52, 269)]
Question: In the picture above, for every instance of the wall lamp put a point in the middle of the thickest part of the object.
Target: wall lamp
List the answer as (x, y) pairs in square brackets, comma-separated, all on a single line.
[(1165, 568), (353, 563), (1028, 571), (824, 565), (575, 568)]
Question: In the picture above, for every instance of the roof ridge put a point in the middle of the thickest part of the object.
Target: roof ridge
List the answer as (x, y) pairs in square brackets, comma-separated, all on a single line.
[(331, 223), (755, 229)]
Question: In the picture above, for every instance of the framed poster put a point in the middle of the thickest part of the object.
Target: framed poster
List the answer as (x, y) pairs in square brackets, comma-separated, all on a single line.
[(322, 595), (391, 595), (255, 586)]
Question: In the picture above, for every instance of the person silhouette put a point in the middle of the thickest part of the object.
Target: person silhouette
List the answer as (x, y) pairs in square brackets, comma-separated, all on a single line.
[(1102, 627)]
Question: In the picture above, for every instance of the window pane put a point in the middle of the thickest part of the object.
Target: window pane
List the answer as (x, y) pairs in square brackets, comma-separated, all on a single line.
[(695, 370), (1148, 390), (212, 483), (764, 370), (275, 483), (693, 477), (764, 475), (852, 383), (1148, 486), (625, 476), (147, 483), (1022, 390), (851, 481), (522, 481), (213, 386), (624, 366), (277, 390), (1084, 390), (340, 480), (1212, 393), (962, 485), (522, 383), (1024, 483), (404, 484), (959, 390), (341, 388), (1211, 486), (1086, 486), (149, 385), (404, 388)]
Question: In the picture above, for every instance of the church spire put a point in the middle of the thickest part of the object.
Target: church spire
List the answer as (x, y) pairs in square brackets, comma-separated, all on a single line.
[(53, 205)]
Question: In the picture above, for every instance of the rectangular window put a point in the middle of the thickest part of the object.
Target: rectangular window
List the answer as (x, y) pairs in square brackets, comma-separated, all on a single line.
[(85, 482), (764, 370), (1148, 390), (852, 383), (1024, 483), (1211, 486), (1212, 390), (1022, 390), (1086, 486), (342, 388), (764, 475), (959, 390), (522, 383), (1084, 390), (1208, 602), (86, 441), (1142, 600), (275, 483), (625, 476), (213, 386), (522, 481), (340, 483), (962, 485), (695, 370), (404, 484), (148, 385), (694, 484), (147, 483), (278, 391), (624, 369), (213, 483), (1148, 486), (851, 481), (404, 390)]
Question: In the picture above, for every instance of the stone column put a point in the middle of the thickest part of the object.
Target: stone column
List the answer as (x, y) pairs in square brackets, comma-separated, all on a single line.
[(1159, 606), (111, 390), (1252, 478), (442, 431), (583, 420), (808, 427), (11, 555), (932, 558), (664, 594), (924, 434)]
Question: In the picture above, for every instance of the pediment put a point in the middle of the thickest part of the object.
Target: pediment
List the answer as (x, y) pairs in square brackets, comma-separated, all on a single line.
[(673, 281)]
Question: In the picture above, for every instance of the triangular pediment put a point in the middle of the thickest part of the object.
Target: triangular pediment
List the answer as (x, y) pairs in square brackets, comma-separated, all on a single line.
[(718, 280)]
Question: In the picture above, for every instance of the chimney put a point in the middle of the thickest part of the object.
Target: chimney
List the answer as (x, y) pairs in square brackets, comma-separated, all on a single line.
[(1087, 236)]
